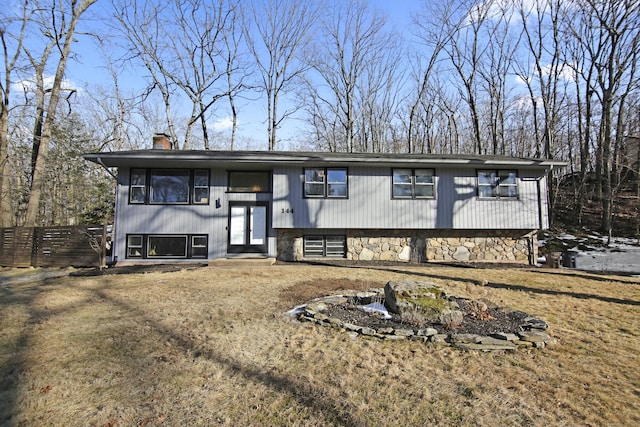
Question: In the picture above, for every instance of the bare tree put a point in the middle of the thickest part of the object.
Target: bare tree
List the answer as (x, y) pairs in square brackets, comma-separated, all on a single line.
[(435, 25), (493, 71), (140, 26), (61, 27), (607, 32), (184, 45), (237, 69), (12, 35), (355, 61), (541, 32), (465, 51), (281, 29)]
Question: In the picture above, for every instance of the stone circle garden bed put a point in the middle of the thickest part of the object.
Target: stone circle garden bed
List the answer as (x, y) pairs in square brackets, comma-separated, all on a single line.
[(422, 311)]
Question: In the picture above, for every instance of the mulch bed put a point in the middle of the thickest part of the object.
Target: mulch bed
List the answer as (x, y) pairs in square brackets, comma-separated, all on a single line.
[(498, 321)]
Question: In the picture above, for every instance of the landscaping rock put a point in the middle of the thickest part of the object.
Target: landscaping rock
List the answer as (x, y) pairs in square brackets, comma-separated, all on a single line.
[(507, 337), (493, 341), (535, 323), (351, 327), (465, 338), (471, 325), (408, 296), (506, 345), (427, 332), (395, 337), (439, 339), (368, 331), (405, 254), (315, 307), (534, 336), (461, 254)]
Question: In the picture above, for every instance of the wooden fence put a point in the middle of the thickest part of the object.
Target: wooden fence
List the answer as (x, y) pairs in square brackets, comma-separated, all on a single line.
[(72, 246)]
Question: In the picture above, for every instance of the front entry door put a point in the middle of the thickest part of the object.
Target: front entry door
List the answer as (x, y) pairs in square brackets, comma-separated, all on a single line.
[(248, 227)]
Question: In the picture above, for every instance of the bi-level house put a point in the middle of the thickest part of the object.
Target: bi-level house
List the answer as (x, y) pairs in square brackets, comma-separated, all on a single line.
[(176, 205)]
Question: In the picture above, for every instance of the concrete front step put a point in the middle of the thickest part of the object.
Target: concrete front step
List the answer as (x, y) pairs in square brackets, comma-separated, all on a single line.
[(241, 261)]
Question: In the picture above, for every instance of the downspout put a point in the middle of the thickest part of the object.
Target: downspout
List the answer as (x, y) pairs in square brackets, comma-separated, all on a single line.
[(549, 190), (114, 257), (532, 248), (539, 204), (530, 239), (101, 163)]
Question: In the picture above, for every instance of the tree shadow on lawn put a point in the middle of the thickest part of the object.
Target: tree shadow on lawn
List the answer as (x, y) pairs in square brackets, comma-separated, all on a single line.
[(300, 390), (509, 286), (13, 372)]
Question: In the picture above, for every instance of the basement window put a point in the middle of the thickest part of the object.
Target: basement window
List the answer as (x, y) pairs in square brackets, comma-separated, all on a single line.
[(329, 246), (150, 246), (166, 246)]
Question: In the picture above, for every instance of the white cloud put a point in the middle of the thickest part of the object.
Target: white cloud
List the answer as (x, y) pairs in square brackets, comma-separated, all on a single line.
[(223, 123), (524, 103), (565, 72), (496, 10), (30, 85)]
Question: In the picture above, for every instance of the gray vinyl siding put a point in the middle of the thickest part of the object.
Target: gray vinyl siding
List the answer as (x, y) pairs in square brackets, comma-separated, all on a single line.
[(181, 219), (370, 206)]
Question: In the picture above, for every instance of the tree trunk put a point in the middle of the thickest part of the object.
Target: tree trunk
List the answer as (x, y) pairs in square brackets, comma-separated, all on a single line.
[(35, 194), (6, 213)]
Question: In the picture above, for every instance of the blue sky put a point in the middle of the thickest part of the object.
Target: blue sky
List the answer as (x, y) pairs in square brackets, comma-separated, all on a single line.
[(88, 70)]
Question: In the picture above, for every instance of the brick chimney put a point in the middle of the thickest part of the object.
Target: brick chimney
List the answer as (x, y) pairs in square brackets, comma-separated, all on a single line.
[(161, 141)]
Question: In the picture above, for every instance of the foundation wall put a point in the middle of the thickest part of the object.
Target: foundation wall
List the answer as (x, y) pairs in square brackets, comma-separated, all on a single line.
[(515, 246)]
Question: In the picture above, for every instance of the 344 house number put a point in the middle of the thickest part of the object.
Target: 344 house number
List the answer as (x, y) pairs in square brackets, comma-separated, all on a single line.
[(287, 211)]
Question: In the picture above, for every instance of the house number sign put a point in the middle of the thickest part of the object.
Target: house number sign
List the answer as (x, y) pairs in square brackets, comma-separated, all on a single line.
[(287, 211)]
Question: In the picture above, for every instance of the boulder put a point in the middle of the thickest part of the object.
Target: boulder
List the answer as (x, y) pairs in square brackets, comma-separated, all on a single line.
[(366, 254), (405, 254), (412, 296), (461, 254)]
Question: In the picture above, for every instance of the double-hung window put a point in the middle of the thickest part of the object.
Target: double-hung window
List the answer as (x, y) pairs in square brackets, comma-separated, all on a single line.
[(413, 184), (169, 186), (325, 182), (138, 187), (497, 184), (200, 186)]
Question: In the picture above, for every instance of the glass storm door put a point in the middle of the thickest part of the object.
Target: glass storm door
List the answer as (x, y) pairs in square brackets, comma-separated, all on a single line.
[(248, 228)]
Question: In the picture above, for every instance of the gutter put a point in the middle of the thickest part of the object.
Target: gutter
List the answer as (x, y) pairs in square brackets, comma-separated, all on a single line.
[(295, 158)]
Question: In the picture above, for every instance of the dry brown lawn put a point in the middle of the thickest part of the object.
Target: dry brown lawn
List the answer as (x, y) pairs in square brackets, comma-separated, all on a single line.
[(209, 346)]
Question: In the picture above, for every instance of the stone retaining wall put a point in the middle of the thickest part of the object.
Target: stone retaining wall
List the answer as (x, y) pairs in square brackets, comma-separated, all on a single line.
[(487, 246), (517, 246)]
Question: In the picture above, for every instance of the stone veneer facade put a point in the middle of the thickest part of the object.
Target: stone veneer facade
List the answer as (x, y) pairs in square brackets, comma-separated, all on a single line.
[(515, 246)]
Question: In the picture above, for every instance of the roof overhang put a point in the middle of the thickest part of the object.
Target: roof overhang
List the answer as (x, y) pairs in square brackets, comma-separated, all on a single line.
[(267, 159)]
